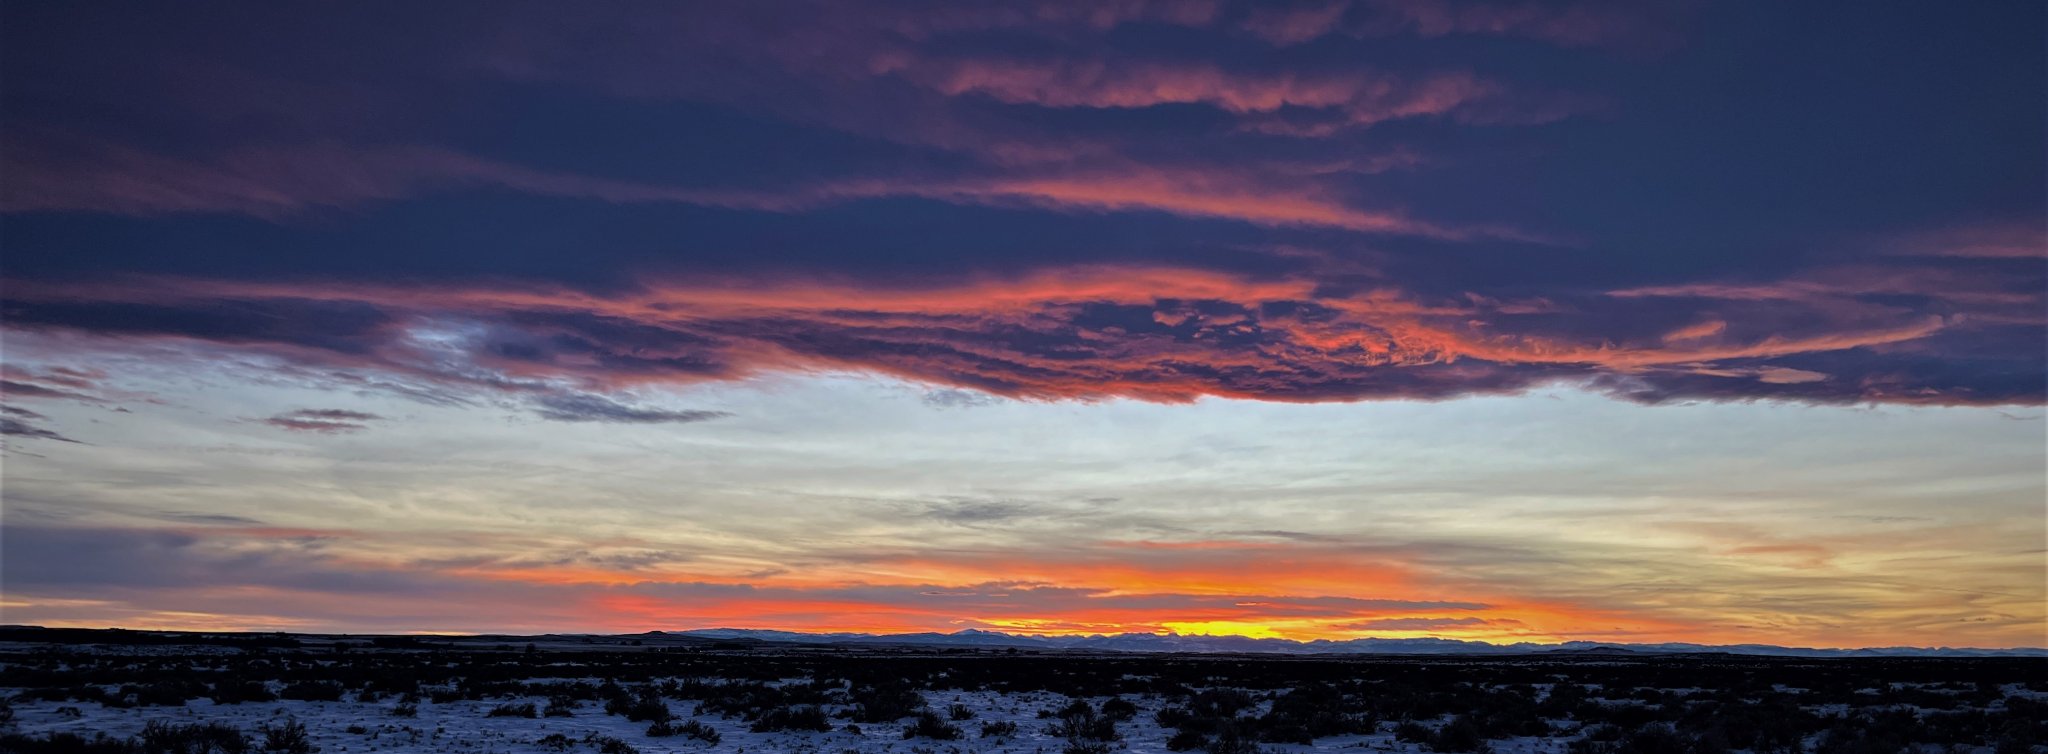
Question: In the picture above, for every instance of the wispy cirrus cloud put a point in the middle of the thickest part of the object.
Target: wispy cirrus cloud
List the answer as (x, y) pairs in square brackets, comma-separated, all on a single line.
[(1569, 24), (1362, 97), (287, 181), (17, 425), (323, 420), (584, 407)]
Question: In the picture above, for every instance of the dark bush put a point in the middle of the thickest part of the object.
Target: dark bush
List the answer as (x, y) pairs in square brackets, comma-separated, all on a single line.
[(522, 709), (1119, 709), (1413, 732), (560, 706), (237, 692), (1458, 735), (1186, 740), (700, 732), (885, 702), (929, 725), (312, 691), (164, 694), (1079, 722), (804, 717), (160, 737), (288, 738), (993, 728), (645, 708), (609, 745)]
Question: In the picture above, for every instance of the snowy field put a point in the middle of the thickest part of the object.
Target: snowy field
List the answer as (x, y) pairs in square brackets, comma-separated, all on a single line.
[(577, 699), (463, 727)]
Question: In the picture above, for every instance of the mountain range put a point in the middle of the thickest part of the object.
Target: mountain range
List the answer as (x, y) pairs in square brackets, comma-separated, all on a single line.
[(1145, 642)]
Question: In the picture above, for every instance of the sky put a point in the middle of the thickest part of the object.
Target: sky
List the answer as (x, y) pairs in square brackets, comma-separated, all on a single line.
[(1719, 322)]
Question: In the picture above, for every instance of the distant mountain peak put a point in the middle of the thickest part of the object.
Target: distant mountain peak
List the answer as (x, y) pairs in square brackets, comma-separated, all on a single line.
[(1428, 645)]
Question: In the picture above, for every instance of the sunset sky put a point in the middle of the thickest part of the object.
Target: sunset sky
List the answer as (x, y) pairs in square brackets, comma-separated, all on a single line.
[(1619, 321)]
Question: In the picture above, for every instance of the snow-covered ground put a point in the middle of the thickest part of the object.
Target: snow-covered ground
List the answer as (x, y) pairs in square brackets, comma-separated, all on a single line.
[(464, 727), (1593, 706)]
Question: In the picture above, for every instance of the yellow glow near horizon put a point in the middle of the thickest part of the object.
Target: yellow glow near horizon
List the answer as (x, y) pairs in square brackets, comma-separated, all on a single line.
[(1225, 628)]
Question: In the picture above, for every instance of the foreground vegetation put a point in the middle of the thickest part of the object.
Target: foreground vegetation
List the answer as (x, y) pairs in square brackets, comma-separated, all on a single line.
[(376, 695)]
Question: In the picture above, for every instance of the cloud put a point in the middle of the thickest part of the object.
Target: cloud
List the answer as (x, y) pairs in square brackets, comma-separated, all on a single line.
[(1568, 24), (1148, 332), (53, 383), (322, 420), (227, 571), (211, 519), (976, 512), (21, 413), (1364, 98), (13, 427), (279, 181), (585, 407), (292, 181), (1413, 624), (956, 398), (2002, 240)]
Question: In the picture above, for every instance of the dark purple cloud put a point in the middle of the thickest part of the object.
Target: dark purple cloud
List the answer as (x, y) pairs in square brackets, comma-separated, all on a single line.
[(1347, 200)]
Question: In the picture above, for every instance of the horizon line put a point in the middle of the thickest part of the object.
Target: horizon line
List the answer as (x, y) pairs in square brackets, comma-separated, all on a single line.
[(1669, 647)]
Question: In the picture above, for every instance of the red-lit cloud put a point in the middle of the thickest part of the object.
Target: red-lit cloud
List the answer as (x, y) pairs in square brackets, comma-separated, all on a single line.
[(1152, 333)]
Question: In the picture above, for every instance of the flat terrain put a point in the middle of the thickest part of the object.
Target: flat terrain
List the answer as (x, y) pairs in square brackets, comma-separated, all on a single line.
[(128, 693)]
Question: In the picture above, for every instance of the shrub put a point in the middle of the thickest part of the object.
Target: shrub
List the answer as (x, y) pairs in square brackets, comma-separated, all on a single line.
[(1657, 738), (609, 745), (556, 742), (1119, 709), (960, 712), (560, 706), (289, 738), (195, 738), (522, 709), (993, 728), (803, 717), (700, 732), (312, 691), (1233, 741), (1186, 740), (929, 725), (237, 692), (1079, 722), (1458, 735), (885, 702), (647, 707), (163, 694), (1412, 732)]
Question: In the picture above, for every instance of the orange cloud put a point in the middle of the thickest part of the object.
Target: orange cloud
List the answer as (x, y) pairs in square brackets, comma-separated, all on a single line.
[(1148, 332), (1361, 98)]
